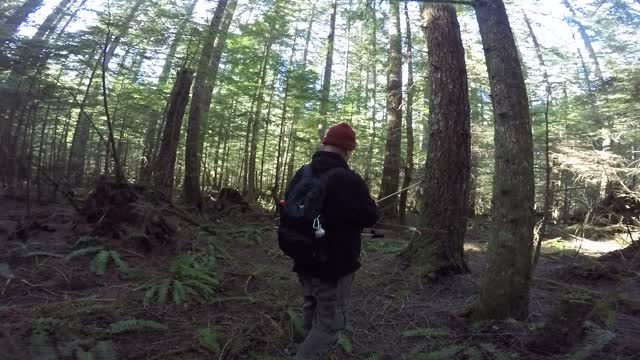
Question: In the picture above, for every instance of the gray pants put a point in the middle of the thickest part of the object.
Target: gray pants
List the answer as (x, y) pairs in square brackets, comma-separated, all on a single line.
[(325, 314)]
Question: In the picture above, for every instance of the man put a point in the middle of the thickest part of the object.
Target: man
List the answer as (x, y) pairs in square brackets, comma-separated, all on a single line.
[(347, 209)]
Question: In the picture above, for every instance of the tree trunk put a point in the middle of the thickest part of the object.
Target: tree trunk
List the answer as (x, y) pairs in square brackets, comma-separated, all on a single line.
[(585, 37), (9, 28), (391, 170), (255, 123), (374, 37), (275, 193), (70, 19), (326, 83), (164, 167), (152, 129), (122, 30), (48, 25), (77, 152), (199, 110), (440, 251), (408, 168), (505, 287)]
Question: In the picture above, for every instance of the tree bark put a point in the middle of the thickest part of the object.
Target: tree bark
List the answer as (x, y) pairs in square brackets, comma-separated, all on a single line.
[(326, 83), (505, 287), (255, 124), (374, 37), (9, 28), (391, 168), (585, 37), (79, 142), (47, 27), (408, 168), (199, 110), (152, 129), (440, 251), (164, 167), (122, 30)]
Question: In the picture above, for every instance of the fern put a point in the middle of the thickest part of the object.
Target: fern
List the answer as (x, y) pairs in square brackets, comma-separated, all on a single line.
[(131, 325), (208, 339), (345, 343), (296, 323), (193, 277), (426, 332), (99, 263), (84, 252), (122, 266), (445, 353), (374, 356), (179, 293)]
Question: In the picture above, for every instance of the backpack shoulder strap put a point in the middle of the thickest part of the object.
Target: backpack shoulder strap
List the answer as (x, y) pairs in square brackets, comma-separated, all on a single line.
[(324, 177)]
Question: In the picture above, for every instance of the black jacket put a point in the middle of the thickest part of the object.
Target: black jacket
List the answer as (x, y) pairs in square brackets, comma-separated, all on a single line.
[(348, 208)]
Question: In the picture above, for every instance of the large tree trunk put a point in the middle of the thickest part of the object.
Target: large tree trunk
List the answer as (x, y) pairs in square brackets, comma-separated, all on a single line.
[(505, 287), (164, 167), (391, 169), (152, 130), (440, 249), (80, 140), (326, 83), (585, 37), (408, 167), (199, 110), (9, 28)]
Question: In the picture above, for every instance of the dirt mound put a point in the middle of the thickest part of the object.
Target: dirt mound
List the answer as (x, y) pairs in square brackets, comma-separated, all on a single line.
[(120, 211)]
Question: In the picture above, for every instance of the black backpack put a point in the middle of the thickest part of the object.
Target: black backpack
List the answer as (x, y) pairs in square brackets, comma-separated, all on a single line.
[(300, 234)]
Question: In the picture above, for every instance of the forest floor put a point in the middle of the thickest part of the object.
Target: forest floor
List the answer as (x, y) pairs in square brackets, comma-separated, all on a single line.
[(53, 306)]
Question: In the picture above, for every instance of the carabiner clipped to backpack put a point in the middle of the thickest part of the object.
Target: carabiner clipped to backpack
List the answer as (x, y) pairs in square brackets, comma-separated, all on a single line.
[(318, 227)]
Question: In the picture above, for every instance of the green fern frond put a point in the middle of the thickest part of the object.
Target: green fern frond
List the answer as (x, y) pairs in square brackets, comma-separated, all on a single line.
[(99, 263), (86, 310), (130, 325), (163, 290), (179, 293), (149, 295), (445, 353), (426, 332), (122, 266), (374, 356), (345, 343), (296, 323), (84, 251), (208, 339)]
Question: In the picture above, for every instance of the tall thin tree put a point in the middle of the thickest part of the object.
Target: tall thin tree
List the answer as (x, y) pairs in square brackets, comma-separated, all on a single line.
[(392, 160)]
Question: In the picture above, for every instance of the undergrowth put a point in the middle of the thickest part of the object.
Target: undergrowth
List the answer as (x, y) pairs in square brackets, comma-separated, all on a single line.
[(193, 277)]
